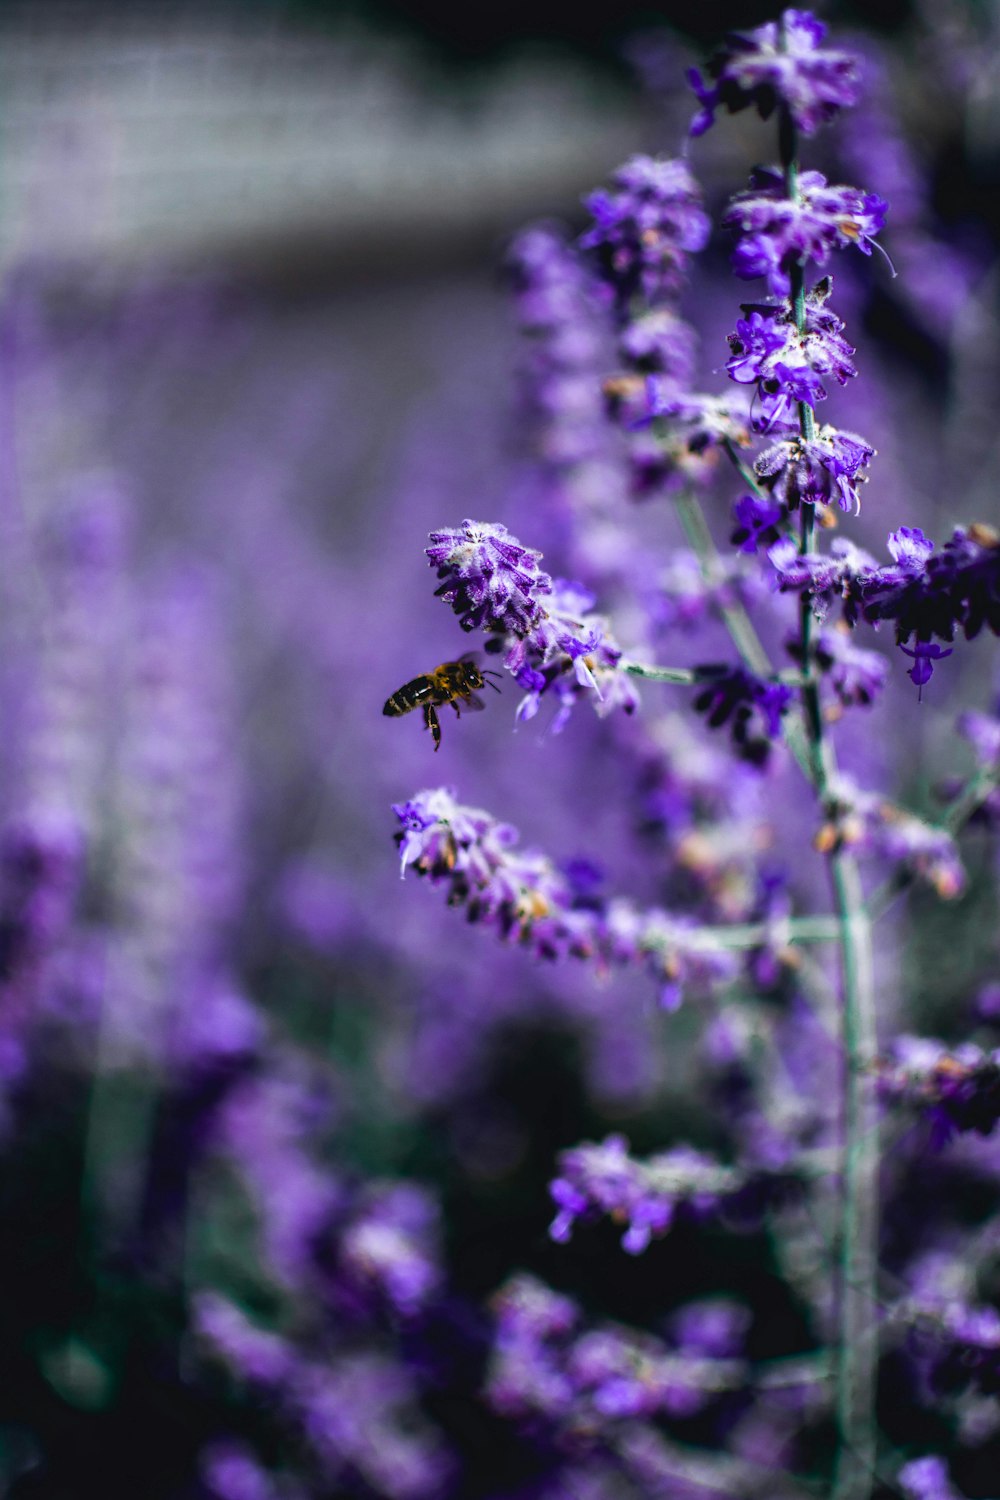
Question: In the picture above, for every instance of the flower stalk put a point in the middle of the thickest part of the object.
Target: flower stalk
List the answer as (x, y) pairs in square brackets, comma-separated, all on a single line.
[(856, 1349)]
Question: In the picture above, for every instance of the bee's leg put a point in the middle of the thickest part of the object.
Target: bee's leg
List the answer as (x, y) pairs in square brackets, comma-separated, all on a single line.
[(455, 706), (433, 723)]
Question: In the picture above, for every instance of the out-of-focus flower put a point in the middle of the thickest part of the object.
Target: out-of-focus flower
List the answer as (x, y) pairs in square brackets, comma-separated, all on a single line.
[(605, 1180), (958, 1087), (752, 708), (927, 1479), (870, 824), (645, 227)]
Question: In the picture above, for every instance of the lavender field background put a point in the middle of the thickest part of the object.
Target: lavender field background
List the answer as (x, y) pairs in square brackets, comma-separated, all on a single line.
[(277, 1127)]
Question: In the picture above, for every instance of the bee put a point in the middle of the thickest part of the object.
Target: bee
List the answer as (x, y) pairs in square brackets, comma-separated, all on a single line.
[(454, 682)]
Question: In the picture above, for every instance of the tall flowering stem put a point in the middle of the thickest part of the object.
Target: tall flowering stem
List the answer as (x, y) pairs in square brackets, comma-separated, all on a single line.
[(857, 1349)]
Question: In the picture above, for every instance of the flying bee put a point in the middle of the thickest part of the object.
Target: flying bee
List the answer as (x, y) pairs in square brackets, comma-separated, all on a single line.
[(454, 682)]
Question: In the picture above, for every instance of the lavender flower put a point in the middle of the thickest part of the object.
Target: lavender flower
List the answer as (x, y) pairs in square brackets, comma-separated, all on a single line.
[(817, 470), (489, 579), (390, 1247), (959, 1087), (759, 523), (840, 574), (788, 366), (604, 1180), (752, 708), (646, 226), (927, 1479), (548, 1366), (527, 899), (554, 643), (782, 62), (856, 675), (777, 232), (686, 433), (934, 594), (870, 824)]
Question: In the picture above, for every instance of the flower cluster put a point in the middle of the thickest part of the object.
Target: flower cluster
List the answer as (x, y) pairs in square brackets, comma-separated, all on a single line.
[(547, 1364), (776, 232), (645, 227), (856, 675), (752, 708), (922, 592), (817, 470), (781, 63), (552, 641), (870, 824), (605, 1181), (787, 364), (957, 1342), (527, 899), (559, 310), (957, 1087), (926, 1479)]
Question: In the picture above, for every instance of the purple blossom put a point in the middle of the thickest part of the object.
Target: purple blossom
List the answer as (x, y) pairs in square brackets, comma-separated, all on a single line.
[(491, 581), (870, 824), (777, 232), (927, 1479), (782, 62), (817, 470), (231, 1472), (786, 365), (390, 1247), (932, 593), (550, 1367), (552, 641), (856, 675), (751, 707), (957, 1342), (684, 436), (253, 1354), (604, 1181), (983, 733), (957, 1087), (842, 573), (645, 227), (660, 342), (759, 523), (527, 899)]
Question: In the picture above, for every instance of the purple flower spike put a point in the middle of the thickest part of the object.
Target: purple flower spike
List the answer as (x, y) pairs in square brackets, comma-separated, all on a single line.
[(527, 899), (552, 642), (645, 227), (782, 62), (488, 578)]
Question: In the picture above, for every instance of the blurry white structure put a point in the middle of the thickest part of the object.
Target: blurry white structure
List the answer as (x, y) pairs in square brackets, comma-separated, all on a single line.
[(134, 132)]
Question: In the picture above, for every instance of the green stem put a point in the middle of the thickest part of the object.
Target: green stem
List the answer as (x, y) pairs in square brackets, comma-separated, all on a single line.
[(692, 676), (856, 1351)]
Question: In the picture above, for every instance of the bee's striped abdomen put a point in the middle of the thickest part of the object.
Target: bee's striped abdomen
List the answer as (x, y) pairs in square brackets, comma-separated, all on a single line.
[(410, 696)]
